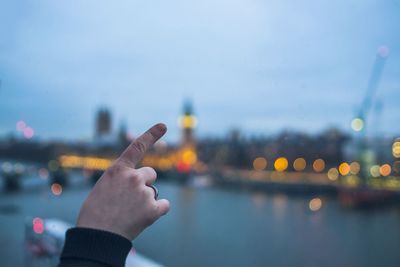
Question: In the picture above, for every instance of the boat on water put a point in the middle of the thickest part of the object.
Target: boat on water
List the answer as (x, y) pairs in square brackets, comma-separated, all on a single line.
[(365, 197), (44, 240)]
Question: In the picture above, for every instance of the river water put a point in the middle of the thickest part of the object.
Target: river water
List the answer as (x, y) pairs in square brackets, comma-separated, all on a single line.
[(217, 227)]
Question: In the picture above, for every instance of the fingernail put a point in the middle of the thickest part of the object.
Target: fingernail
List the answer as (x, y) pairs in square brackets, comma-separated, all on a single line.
[(162, 127)]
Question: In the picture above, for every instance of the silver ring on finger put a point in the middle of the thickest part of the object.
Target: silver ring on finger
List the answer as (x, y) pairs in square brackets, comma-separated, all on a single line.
[(155, 191)]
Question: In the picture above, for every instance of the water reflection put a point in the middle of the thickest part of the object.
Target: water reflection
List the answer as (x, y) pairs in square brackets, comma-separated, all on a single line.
[(279, 203), (259, 200)]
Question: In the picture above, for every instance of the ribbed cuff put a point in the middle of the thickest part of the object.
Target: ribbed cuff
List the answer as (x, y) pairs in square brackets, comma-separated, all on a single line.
[(96, 245)]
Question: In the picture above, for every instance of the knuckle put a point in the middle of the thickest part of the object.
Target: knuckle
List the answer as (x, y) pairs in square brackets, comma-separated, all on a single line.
[(151, 172), (117, 169), (114, 170), (134, 176)]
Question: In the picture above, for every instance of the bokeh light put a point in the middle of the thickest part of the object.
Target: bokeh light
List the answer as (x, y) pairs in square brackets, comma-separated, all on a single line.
[(396, 149), (20, 125), (333, 174), (315, 204), (182, 167), (344, 168), (383, 51), (73, 161), (38, 225), (19, 168), (357, 124), (188, 122), (385, 170), (28, 132), (319, 165), (259, 164), (375, 171), (7, 167), (43, 173), (281, 164), (355, 167), (56, 189), (299, 164), (189, 156)]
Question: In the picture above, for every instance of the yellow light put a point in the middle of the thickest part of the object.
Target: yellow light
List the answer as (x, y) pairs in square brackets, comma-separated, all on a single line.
[(189, 156), (393, 183), (315, 204), (165, 164), (148, 161), (375, 171), (354, 167), (333, 174), (319, 165), (281, 164), (96, 163), (396, 149), (187, 122), (385, 170), (71, 161), (344, 168), (357, 124), (259, 164), (299, 164)]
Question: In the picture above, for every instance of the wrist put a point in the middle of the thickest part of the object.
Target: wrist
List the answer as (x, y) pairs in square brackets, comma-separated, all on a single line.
[(95, 245)]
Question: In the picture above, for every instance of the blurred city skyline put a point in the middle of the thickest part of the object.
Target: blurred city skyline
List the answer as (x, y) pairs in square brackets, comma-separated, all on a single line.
[(258, 66)]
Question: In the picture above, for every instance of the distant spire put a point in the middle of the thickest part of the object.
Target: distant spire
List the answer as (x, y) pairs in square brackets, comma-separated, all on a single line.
[(187, 122), (188, 107)]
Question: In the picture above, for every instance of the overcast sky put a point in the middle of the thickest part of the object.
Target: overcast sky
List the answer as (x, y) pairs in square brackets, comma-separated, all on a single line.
[(258, 65)]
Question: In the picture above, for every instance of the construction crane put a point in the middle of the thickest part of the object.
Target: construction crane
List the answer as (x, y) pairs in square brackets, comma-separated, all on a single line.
[(359, 123)]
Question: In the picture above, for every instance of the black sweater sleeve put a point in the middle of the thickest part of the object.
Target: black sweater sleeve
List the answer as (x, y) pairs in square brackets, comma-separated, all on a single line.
[(86, 247)]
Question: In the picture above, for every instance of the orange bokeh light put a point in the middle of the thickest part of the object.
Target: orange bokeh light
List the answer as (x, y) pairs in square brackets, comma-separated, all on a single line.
[(385, 170), (355, 167), (281, 164), (319, 165), (56, 189), (344, 168), (299, 164), (259, 164)]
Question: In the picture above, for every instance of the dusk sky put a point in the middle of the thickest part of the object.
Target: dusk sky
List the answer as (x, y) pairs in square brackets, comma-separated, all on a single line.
[(258, 65)]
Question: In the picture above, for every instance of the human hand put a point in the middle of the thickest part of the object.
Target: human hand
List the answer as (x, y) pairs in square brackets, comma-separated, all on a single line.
[(122, 201)]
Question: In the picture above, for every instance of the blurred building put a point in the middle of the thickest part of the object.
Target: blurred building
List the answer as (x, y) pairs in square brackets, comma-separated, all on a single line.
[(103, 123), (104, 134)]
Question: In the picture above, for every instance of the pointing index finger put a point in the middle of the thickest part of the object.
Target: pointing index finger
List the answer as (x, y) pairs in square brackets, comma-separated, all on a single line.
[(134, 153)]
